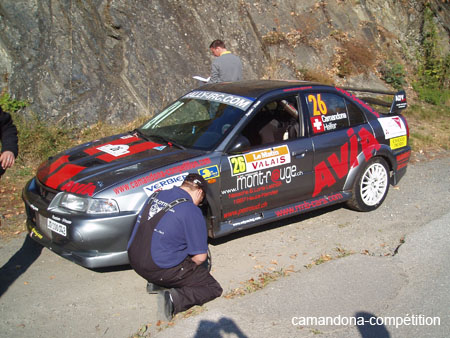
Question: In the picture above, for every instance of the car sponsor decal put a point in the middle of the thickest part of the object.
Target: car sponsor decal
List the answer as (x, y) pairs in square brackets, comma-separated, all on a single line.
[(209, 173), (400, 100), (79, 188), (398, 142), (261, 159), (115, 150), (259, 185), (321, 119), (165, 184), (357, 100), (246, 221), (34, 232), (308, 205), (158, 175), (347, 159), (231, 100), (250, 208), (160, 148), (393, 126)]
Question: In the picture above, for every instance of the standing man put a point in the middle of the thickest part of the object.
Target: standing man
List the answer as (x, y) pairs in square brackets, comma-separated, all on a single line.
[(169, 244), (226, 67), (8, 137)]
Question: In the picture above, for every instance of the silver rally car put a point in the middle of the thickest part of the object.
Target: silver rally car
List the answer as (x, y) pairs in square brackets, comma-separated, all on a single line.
[(268, 149)]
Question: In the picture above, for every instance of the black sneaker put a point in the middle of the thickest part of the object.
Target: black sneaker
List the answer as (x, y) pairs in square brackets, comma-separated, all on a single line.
[(168, 306), (153, 288)]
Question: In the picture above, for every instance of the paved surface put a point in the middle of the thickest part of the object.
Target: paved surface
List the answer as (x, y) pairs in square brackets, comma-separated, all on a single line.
[(44, 295), (413, 284)]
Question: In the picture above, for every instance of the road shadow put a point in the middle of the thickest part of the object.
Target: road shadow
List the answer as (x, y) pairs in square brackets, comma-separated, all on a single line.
[(222, 328), (19, 263), (370, 328)]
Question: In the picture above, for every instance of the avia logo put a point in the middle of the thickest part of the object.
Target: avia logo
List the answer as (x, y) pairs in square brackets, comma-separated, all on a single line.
[(348, 159), (79, 188)]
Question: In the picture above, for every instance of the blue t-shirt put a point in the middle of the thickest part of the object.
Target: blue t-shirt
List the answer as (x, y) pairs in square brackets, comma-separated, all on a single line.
[(180, 232)]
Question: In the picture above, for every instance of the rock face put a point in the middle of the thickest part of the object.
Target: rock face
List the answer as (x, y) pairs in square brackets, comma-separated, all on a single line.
[(79, 62)]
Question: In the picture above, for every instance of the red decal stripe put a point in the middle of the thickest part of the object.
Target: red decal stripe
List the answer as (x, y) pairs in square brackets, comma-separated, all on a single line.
[(43, 173), (65, 173)]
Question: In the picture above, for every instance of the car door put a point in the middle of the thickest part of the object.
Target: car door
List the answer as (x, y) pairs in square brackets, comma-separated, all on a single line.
[(334, 123), (276, 169)]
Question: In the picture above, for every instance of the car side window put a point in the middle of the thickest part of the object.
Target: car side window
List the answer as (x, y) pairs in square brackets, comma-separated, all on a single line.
[(277, 121), (327, 112), (355, 114)]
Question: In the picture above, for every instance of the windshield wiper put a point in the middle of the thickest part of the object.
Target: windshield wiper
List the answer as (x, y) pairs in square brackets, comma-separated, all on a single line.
[(167, 140)]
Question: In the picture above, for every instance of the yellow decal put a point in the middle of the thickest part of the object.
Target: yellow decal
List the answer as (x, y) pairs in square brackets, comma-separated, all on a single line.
[(34, 231), (238, 164), (398, 142), (319, 106)]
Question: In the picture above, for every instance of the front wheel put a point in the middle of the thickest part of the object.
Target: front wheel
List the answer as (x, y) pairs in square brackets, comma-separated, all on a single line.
[(371, 186)]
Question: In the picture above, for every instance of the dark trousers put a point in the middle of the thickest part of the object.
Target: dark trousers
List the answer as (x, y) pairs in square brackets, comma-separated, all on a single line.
[(192, 284)]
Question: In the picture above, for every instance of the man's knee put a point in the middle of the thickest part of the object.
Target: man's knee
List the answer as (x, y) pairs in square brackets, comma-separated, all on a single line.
[(217, 290)]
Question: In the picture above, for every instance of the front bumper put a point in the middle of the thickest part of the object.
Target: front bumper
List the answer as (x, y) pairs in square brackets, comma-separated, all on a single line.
[(88, 240)]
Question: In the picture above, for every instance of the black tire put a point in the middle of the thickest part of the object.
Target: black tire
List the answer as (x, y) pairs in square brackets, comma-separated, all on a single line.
[(371, 186)]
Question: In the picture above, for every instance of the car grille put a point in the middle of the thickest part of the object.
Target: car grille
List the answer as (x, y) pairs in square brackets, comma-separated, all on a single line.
[(46, 193)]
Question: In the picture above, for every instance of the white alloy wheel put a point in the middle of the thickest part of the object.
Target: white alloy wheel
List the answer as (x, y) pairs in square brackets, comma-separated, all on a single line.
[(374, 183)]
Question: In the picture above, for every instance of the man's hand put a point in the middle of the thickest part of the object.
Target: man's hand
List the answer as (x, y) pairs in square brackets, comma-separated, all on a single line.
[(7, 159), (199, 259)]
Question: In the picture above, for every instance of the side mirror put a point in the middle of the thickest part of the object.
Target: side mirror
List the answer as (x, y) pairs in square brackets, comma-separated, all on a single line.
[(239, 145)]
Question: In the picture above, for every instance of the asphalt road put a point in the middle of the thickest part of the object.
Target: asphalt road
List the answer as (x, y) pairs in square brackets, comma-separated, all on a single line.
[(44, 295)]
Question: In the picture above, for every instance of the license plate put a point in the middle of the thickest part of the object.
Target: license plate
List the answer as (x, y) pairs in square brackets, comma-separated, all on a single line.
[(57, 227)]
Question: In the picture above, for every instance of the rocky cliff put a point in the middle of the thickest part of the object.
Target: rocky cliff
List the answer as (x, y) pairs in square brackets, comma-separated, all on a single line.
[(82, 61)]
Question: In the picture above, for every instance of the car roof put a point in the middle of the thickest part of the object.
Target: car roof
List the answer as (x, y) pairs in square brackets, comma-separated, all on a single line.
[(255, 88)]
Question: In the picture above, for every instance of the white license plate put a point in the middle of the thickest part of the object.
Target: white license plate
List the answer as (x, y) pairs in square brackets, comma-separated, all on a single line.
[(57, 227)]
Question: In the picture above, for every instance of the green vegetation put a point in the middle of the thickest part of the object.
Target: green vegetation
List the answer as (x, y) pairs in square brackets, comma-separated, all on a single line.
[(9, 104), (433, 84), (393, 74)]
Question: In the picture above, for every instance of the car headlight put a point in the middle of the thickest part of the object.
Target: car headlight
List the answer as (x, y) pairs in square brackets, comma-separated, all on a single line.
[(87, 205)]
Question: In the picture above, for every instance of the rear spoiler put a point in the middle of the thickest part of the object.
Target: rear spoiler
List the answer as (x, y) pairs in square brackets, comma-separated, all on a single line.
[(398, 103)]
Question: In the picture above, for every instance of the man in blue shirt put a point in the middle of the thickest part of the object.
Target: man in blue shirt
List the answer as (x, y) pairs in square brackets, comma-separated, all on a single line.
[(169, 245)]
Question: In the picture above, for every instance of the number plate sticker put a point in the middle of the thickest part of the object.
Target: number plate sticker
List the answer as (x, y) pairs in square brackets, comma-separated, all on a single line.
[(57, 227)]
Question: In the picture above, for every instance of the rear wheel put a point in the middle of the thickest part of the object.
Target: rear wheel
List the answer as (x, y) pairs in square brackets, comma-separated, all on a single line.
[(371, 186)]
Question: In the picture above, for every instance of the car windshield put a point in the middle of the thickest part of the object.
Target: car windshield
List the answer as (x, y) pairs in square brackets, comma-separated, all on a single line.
[(194, 123)]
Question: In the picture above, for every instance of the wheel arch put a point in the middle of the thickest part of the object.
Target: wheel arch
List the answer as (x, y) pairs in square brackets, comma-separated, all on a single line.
[(384, 152)]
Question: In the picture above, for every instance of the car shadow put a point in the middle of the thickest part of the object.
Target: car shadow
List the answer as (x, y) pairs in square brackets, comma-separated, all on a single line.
[(19, 263), (274, 225)]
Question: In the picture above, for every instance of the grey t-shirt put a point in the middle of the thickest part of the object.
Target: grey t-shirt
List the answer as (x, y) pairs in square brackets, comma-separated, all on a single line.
[(226, 68)]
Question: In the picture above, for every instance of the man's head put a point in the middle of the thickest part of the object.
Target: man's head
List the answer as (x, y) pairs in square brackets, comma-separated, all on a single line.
[(195, 185), (217, 47)]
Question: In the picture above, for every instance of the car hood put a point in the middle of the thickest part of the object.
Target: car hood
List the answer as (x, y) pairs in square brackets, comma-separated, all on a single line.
[(95, 166)]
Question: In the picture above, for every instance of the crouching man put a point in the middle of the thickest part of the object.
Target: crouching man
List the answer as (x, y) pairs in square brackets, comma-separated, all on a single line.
[(169, 244)]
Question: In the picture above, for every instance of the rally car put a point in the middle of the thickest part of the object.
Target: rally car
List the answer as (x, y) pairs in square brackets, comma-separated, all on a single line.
[(268, 149)]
